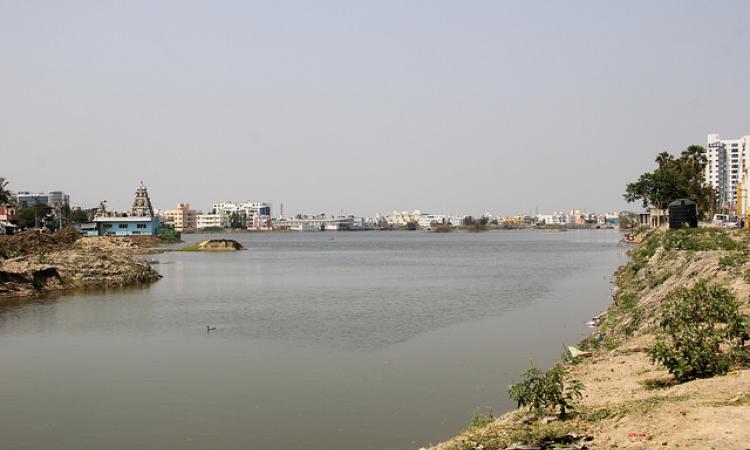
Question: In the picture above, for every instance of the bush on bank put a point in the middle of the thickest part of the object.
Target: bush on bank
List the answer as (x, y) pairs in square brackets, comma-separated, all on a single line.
[(701, 332)]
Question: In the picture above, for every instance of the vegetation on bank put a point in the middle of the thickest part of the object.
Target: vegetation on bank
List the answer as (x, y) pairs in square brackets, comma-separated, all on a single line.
[(701, 332)]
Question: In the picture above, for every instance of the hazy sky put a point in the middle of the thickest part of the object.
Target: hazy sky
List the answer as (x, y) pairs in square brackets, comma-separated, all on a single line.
[(460, 106)]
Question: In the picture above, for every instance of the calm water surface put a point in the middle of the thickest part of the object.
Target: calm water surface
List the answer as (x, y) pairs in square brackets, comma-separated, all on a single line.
[(367, 340)]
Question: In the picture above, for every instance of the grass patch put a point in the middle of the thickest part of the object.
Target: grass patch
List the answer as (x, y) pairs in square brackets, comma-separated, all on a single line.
[(700, 239), (733, 260), (653, 384), (633, 407), (480, 420), (655, 280)]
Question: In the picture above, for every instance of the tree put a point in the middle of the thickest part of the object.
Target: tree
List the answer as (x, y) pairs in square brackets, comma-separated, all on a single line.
[(674, 178), (78, 215), (4, 192), (33, 216), (237, 220)]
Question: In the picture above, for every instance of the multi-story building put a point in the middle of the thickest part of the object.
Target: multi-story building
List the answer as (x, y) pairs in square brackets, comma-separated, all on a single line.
[(253, 215), (52, 199), (182, 218), (727, 161)]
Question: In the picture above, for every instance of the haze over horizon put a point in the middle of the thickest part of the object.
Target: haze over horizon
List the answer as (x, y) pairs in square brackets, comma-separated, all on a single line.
[(440, 106)]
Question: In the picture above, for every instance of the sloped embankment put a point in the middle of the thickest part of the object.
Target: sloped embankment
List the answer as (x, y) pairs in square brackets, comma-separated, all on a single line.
[(31, 264), (629, 402)]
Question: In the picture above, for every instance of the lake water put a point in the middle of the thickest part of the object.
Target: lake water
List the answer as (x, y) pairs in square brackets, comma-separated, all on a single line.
[(360, 340)]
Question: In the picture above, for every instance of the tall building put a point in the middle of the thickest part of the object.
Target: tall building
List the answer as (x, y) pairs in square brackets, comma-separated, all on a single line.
[(727, 161)]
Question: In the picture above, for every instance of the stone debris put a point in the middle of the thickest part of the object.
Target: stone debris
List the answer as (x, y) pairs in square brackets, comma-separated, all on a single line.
[(41, 263), (576, 353)]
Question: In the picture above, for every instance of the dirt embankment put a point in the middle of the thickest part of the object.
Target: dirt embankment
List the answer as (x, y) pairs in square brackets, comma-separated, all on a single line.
[(628, 401), (32, 264), (214, 245)]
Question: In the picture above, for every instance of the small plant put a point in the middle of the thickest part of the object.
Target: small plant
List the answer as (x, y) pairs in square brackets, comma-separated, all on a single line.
[(41, 258), (541, 390), (701, 332), (480, 420)]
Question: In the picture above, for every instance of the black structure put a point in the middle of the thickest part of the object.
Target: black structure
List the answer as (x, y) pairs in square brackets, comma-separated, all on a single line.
[(683, 211)]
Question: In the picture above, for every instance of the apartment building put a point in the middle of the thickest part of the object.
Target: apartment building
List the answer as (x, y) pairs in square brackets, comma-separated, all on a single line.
[(727, 161), (181, 218), (212, 221)]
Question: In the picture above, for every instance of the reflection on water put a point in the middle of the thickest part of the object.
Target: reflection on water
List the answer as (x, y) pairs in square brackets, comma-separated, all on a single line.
[(371, 341)]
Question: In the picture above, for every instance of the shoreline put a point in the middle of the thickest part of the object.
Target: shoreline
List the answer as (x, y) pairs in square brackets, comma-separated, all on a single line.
[(628, 401)]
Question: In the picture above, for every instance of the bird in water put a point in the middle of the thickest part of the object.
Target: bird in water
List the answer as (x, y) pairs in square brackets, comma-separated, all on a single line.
[(209, 328)]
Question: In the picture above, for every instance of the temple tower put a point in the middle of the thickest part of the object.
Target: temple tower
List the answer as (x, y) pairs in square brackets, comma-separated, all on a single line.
[(142, 204)]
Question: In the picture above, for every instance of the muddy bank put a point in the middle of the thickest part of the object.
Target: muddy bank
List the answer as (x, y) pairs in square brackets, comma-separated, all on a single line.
[(628, 400), (32, 264)]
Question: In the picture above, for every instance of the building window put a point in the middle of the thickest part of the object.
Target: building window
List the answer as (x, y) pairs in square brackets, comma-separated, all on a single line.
[(141, 225), (107, 225), (123, 225)]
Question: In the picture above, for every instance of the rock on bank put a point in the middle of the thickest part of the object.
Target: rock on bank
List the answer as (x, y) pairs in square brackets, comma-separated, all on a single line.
[(32, 264)]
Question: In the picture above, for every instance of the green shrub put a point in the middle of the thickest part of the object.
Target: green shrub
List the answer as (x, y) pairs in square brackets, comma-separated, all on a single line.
[(540, 390), (701, 332)]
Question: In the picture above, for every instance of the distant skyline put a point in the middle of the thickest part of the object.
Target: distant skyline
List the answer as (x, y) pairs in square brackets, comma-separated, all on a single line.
[(365, 107)]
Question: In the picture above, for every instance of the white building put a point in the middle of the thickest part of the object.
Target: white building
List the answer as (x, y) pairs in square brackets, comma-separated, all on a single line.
[(727, 161), (426, 220), (324, 223), (211, 221), (255, 215)]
